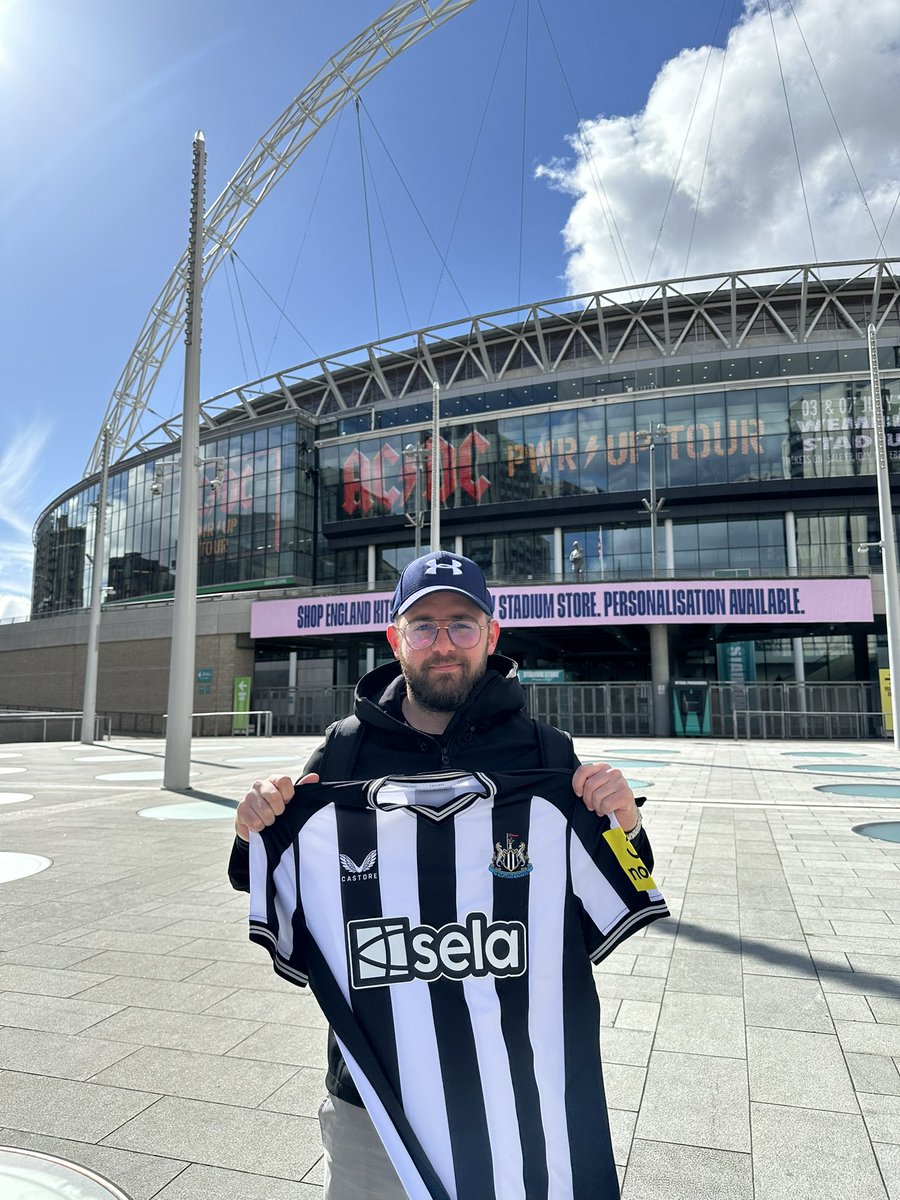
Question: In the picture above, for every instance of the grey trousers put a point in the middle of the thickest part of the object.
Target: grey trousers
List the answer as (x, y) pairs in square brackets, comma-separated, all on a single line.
[(356, 1164)]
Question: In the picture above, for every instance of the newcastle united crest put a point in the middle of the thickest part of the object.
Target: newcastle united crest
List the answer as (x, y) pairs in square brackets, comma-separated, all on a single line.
[(511, 861)]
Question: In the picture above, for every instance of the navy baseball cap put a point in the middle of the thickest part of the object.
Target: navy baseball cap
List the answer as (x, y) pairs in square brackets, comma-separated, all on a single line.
[(441, 572)]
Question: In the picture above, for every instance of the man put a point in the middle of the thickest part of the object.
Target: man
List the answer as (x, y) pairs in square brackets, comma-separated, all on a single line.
[(576, 558), (448, 703)]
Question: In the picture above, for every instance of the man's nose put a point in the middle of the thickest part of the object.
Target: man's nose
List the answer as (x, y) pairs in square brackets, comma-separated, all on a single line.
[(443, 629)]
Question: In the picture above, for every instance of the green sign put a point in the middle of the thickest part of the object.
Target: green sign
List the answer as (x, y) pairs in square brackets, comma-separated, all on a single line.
[(204, 675), (241, 704), (543, 675)]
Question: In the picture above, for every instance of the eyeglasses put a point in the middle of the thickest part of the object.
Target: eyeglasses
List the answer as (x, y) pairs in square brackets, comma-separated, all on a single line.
[(419, 635)]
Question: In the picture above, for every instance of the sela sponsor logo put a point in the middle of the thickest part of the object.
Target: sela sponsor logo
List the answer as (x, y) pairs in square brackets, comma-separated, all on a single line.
[(511, 861), (384, 951), (354, 872)]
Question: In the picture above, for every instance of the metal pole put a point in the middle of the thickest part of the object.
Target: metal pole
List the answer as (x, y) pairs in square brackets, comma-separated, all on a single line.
[(91, 666), (888, 540), (435, 467), (177, 770), (419, 514), (652, 453)]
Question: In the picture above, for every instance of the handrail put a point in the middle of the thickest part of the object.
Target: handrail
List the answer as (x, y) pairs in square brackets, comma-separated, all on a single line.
[(768, 717), (263, 727), (99, 721)]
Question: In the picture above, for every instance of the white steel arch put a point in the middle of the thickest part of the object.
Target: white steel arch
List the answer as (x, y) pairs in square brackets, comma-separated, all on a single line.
[(342, 77)]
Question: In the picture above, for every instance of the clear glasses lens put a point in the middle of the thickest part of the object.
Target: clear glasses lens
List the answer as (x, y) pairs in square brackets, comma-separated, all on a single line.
[(422, 634)]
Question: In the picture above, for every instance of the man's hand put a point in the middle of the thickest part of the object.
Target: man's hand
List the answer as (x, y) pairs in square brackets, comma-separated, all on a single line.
[(605, 790), (264, 802)]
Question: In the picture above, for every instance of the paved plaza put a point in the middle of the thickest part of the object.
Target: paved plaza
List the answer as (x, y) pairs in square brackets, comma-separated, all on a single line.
[(751, 1043)]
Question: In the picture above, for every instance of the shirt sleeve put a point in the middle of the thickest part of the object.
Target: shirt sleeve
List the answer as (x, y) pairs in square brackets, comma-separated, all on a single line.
[(616, 891), (276, 916)]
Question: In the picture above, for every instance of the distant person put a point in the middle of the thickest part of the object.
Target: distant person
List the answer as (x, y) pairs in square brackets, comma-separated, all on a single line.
[(450, 704), (576, 558)]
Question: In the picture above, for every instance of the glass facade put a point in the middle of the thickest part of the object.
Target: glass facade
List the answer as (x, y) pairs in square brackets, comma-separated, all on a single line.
[(745, 435), (256, 524)]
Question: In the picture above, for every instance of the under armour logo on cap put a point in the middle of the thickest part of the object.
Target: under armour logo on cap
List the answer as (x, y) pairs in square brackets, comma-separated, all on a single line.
[(441, 572), (433, 566)]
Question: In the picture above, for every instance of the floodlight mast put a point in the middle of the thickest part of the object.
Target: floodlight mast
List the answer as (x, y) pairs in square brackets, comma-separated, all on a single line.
[(343, 76), (177, 770)]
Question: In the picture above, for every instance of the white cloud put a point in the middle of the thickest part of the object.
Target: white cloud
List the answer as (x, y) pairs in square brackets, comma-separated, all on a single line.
[(19, 473), (751, 211)]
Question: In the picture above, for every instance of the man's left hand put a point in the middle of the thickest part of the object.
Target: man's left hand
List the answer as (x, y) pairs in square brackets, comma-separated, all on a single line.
[(605, 790)]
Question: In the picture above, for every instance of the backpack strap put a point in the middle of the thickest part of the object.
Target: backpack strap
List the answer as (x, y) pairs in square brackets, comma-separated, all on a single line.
[(342, 742), (555, 746)]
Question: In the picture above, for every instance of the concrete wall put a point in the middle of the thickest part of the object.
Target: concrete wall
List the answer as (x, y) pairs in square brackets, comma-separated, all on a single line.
[(42, 662)]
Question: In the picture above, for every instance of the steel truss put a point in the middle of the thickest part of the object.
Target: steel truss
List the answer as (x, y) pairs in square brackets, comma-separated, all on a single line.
[(796, 305), (340, 79)]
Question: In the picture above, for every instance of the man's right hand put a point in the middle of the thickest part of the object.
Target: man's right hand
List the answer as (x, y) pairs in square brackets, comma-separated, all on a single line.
[(264, 802)]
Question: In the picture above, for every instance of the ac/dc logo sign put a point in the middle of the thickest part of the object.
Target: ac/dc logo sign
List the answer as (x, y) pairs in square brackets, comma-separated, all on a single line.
[(382, 481)]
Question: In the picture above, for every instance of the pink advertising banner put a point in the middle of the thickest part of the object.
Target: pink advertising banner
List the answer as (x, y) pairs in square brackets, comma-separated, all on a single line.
[(701, 602)]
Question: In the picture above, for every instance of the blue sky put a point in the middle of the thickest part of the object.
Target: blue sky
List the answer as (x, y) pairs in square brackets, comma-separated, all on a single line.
[(99, 101)]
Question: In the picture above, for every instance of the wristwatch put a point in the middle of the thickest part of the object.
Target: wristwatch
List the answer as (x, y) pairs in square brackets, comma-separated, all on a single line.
[(631, 834)]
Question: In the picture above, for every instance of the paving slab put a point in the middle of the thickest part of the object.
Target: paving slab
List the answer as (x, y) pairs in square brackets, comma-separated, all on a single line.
[(803, 1069), (139, 1175), (769, 1004), (696, 1100), (812, 1155), (672, 1172), (66, 1108), (223, 1135), (194, 1076)]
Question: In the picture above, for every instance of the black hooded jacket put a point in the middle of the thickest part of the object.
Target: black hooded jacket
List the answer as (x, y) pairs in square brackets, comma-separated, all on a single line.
[(490, 732)]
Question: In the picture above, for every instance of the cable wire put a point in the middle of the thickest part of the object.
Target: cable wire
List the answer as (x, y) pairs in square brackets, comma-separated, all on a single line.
[(416, 208), (838, 129), (522, 166), (240, 292), (387, 237), (468, 174), (362, 168), (237, 328), (606, 209), (712, 125), (787, 104), (687, 134), (290, 284)]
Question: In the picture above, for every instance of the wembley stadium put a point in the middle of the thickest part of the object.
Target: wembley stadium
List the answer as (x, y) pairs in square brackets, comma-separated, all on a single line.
[(739, 404)]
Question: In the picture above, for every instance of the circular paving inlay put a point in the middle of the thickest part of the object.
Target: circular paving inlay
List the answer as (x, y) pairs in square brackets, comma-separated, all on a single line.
[(265, 758), (20, 866), (822, 754), (133, 775), (196, 810), (846, 768), (884, 831), (882, 791), (30, 1175)]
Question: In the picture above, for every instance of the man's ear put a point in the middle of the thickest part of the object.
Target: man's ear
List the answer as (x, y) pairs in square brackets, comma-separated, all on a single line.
[(493, 635), (393, 637)]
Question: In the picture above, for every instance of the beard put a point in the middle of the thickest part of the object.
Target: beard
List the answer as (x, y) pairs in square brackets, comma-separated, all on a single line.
[(436, 692)]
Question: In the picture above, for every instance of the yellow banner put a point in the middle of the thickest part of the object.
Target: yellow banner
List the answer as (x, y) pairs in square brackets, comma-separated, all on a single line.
[(884, 681), (630, 860)]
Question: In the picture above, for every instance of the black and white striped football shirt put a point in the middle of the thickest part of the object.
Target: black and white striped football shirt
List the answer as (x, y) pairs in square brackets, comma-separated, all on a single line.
[(447, 925)]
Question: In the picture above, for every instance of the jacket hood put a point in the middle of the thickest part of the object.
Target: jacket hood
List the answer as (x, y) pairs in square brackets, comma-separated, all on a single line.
[(496, 696)]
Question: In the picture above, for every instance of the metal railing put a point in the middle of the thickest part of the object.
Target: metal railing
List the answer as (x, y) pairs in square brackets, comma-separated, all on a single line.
[(796, 726), (9, 720), (776, 710), (262, 727)]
